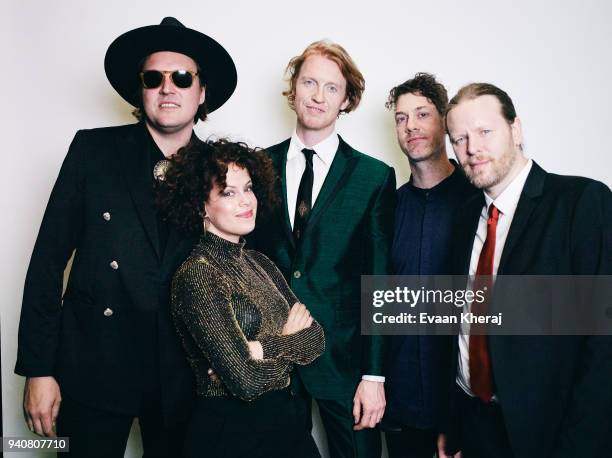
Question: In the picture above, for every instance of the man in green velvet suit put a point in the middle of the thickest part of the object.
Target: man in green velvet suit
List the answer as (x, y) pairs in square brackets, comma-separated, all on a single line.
[(335, 224)]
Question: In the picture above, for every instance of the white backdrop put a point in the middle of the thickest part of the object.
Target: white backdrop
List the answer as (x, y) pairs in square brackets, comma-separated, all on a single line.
[(553, 58)]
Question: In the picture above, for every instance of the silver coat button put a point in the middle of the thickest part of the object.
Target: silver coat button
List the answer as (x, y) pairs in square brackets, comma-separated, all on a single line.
[(108, 312), (297, 274), (106, 216), (114, 265)]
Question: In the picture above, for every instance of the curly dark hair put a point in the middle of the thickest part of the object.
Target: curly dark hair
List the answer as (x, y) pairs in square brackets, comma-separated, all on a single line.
[(198, 166), (423, 84)]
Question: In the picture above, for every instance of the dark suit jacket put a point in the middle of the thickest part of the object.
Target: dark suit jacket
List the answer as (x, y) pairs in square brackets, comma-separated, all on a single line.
[(104, 360), (554, 391), (348, 234)]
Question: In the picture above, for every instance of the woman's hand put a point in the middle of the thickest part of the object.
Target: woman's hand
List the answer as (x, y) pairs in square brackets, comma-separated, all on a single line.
[(299, 318), (255, 349)]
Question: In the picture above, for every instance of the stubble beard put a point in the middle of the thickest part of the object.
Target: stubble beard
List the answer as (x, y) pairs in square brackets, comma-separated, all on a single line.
[(434, 151), (498, 171)]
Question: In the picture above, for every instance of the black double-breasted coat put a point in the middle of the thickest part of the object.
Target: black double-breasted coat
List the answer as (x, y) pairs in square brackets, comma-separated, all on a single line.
[(109, 338)]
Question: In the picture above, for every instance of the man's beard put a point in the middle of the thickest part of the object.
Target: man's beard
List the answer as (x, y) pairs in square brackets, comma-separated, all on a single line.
[(498, 170), (435, 151)]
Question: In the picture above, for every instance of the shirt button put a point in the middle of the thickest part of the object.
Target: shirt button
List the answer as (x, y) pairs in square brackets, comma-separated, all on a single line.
[(106, 216), (114, 265), (108, 312), (297, 274)]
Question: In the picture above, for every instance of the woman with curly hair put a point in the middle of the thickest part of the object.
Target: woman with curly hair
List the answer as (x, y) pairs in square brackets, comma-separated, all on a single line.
[(233, 309)]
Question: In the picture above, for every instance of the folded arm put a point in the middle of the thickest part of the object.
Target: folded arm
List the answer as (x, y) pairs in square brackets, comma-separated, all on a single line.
[(202, 303), (301, 347)]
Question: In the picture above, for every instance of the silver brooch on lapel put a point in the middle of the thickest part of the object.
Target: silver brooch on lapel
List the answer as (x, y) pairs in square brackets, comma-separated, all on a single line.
[(160, 169)]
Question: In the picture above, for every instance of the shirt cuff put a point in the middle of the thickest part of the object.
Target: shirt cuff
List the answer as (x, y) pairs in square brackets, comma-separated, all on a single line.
[(373, 378)]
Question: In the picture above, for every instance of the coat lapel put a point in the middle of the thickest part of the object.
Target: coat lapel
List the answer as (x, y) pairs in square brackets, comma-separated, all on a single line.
[(137, 174), (341, 168), (279, 160), (527, 203)]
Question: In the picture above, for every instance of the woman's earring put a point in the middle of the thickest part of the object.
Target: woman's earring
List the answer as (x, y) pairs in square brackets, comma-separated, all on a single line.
[(205, 218)]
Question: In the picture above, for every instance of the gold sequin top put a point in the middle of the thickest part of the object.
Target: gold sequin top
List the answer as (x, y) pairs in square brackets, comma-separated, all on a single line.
[(225, 295)]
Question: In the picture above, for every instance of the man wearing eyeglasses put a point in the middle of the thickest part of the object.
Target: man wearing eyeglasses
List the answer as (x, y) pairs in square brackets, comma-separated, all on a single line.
[(106, 352)]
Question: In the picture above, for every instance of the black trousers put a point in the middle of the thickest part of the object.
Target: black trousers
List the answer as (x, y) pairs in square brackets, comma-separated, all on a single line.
[(275, 425), (338, 422), (97, 433), (481, 428), (406, 442)]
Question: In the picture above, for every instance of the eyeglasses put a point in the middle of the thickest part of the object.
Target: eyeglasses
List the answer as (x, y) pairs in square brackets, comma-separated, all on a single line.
[(152, 79)]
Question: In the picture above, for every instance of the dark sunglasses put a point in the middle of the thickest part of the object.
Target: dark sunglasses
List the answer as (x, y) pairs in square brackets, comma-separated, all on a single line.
[(152, 79)]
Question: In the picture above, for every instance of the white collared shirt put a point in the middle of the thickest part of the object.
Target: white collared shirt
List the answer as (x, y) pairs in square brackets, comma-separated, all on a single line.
[(506, 203), (296, 164)]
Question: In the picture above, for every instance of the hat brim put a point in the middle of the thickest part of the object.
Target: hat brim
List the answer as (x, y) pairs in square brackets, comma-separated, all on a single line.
[(126, 53)]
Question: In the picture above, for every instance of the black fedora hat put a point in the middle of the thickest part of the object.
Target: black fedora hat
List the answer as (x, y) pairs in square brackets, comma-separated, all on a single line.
[(126, 53)]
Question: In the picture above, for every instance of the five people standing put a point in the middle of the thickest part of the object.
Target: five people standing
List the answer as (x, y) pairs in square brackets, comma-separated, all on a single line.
[(107, 349)]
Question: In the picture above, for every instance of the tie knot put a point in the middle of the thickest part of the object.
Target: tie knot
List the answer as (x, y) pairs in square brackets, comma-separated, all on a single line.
[(308, 154), (493, 213)]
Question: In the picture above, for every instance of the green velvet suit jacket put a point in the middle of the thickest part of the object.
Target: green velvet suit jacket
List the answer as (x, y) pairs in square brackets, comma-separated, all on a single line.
[(348, 234)]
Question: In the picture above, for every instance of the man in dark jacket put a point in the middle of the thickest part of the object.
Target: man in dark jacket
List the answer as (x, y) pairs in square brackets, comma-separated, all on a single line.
[(106, 349), (416, 367), (334, 225), (527, 396)]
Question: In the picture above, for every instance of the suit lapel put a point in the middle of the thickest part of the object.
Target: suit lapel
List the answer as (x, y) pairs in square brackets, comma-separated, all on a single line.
[(279, 159), (341, 168), (527, 203), (138, 178)]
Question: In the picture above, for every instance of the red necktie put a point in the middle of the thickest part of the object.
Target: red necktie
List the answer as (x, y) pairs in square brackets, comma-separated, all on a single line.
[(481, 380)]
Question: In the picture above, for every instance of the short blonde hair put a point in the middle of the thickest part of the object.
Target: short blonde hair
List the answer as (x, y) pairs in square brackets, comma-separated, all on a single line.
[(355, 83), (474, 90)]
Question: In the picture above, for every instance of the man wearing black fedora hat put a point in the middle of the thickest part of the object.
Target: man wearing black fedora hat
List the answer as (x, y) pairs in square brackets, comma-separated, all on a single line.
[(106, 349)]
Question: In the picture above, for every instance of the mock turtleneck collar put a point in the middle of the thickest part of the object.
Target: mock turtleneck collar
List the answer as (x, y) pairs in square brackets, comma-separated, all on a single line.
[(220, 247)]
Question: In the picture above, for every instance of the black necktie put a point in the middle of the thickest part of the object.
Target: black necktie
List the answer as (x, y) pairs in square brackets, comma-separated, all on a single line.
[(304, 197)]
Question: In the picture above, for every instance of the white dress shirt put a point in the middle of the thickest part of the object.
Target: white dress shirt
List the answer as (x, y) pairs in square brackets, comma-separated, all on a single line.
[(506, 203), (321, 162), (296, 164)]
